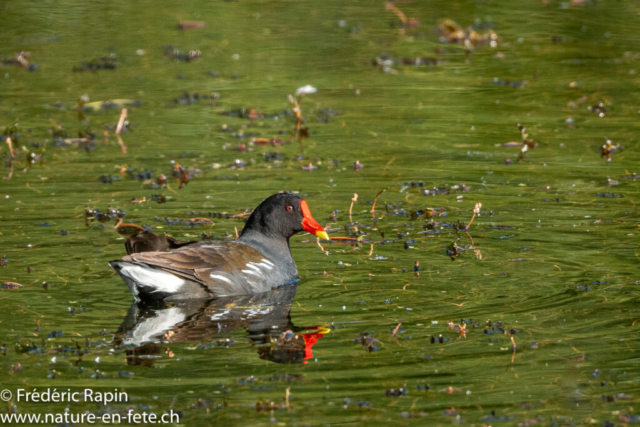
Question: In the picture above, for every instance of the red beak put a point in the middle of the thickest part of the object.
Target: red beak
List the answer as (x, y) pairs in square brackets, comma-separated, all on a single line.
[(311, 225)]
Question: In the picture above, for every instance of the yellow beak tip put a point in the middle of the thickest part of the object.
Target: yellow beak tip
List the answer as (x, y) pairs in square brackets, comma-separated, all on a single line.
[(323, 235)]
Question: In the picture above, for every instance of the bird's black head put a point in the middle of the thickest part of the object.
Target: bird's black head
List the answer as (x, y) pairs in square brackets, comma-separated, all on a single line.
[(281, 216)]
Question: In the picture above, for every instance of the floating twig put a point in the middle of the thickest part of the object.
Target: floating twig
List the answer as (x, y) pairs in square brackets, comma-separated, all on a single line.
[(390, 6), (10, 144), (10, 172), (353, 200), (300, 131), (470, 238), (476, 211), (395, 331), (406, 22), (121, 142), (286, 397), (123, 116), (134, 201), (373, 207), (322, 248)]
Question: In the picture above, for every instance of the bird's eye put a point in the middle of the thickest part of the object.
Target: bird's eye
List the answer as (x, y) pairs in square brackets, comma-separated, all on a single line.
[(289, 208)]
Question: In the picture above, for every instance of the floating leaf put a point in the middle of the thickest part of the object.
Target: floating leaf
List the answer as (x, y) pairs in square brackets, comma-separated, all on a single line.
[(10, 285)]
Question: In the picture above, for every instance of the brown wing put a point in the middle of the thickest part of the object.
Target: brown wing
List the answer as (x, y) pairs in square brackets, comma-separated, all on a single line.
[(198, 262), (146, 241)]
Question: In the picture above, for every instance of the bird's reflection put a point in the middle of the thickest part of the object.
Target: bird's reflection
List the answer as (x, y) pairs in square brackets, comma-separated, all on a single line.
[(265, 317)]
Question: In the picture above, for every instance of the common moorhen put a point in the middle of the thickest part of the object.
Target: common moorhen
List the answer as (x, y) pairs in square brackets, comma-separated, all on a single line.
[(258, 261)]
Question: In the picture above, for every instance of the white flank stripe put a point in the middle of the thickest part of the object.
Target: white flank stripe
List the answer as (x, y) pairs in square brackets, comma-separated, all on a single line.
[(156, 280), (252, 266), (219, 277), (266, 261), (255, 273), (265, 266)]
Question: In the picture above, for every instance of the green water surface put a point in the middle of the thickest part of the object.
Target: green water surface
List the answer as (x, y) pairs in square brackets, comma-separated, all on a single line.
[(553, 263)]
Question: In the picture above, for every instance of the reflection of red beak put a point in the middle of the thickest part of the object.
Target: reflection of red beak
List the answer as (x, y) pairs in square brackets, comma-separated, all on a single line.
[(311, 225), (309, 342)]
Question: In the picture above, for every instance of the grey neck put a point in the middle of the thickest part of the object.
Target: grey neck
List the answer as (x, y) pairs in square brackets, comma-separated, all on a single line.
[(275, 249)]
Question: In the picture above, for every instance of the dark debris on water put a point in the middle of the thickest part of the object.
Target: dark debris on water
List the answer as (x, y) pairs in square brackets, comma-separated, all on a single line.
[(109, 62), (368, 341)]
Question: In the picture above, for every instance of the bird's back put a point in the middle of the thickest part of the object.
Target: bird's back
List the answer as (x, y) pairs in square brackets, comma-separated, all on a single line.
[(200, 270)]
